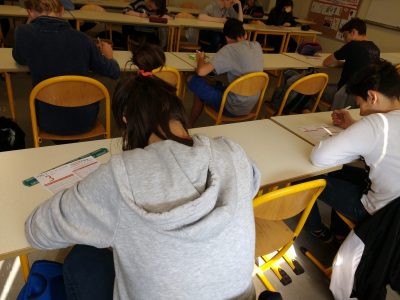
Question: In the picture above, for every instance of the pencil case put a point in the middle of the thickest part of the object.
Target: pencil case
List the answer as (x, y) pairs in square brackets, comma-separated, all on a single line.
[(158, 20)]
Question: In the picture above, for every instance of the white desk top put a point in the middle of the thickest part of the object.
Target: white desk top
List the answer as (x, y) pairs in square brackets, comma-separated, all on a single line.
[(393, 57), (313, 61), (8, 64), (271, 61), (280, 155), (293, 122)]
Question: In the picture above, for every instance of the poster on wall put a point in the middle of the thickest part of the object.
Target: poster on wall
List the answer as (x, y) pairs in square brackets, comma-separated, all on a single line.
[(330, 15)]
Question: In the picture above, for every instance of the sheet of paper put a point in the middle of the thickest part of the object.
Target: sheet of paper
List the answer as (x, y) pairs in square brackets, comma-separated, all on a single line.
[(67, 175), (321, 131)]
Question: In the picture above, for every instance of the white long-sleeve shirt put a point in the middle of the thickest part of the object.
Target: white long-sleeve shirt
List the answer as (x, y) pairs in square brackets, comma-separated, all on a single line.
[(376, 137)]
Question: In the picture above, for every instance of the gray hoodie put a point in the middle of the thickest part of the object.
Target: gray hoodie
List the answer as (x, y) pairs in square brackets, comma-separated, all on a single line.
[(179, 220)]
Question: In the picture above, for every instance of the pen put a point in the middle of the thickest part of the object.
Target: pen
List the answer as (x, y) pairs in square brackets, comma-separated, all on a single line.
[(347, 108), (328, 131)]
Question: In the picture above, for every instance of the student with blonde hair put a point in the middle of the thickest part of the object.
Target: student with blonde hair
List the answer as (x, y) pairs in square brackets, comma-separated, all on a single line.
[(50, 47)]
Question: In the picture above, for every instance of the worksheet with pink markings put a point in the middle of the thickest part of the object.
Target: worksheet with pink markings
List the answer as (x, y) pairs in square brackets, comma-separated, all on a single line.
[(321, 131), (67, 175)]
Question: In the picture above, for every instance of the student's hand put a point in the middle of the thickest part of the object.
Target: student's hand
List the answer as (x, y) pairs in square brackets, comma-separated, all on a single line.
[(143, 15), (106, 49), (237, 2), (287, 24), (200, 55), (342, 118)]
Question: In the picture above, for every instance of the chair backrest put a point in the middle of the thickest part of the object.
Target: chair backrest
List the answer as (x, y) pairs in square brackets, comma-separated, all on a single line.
[(92, 7), (68, 91), (313, 84), (169, 75), (288, 202), (398, 68), (247, 85)]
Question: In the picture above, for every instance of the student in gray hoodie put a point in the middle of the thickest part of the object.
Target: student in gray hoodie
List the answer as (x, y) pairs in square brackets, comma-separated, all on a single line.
[(176, 210)]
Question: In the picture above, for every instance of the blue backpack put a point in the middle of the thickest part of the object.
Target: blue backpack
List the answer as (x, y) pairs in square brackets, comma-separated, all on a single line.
[(45, 282)]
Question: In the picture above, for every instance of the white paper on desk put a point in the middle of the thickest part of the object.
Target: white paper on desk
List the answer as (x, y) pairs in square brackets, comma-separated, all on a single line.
[(317, 131), (67, 175)]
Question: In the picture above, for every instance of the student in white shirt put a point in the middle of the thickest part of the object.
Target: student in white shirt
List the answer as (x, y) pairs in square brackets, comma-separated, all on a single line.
[(375, 138)]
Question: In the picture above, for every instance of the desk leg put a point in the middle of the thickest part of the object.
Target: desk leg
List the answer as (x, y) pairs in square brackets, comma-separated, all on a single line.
[(10, 94), (24, 266)]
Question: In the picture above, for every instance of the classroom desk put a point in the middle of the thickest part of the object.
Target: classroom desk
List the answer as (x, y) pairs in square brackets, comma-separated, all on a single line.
[(271, 61), (292, 123), (115, 4), (8, 64), (393, 57), (313, 61), (280, 156)]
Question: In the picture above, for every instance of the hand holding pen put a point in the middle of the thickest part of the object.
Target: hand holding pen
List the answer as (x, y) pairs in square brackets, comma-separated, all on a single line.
[(342, 118)]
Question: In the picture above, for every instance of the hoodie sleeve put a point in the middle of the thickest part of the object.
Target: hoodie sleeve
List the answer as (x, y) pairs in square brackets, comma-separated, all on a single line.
[(357, 140), (87, 213), (102, 65)]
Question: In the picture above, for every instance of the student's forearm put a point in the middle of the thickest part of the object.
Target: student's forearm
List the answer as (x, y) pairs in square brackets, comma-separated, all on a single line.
[(240, 14), (208, 18)]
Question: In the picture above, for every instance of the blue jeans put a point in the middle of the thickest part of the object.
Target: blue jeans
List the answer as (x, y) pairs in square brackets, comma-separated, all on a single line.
[(89, 273), (343, 193), (208, 94)]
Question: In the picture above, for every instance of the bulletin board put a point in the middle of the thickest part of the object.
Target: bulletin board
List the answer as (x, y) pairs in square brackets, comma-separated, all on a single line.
[(330, 15)]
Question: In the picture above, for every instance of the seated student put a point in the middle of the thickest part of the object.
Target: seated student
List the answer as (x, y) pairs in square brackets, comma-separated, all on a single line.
[(218, 11), (356, 53), (281, 15), (51, 47), (237, 58), (175, 209), (252, 6), (144, 9), (376, 138)]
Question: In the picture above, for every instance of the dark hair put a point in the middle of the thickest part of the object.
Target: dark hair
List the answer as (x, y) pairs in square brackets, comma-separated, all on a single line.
[(148, 105), (161, 7), (147, 56), (282, 3), (233, 29), (44, 5), (357, 24), (381, 77)]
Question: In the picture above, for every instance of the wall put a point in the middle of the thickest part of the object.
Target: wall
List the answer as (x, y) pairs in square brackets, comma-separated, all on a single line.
[(387, 40)]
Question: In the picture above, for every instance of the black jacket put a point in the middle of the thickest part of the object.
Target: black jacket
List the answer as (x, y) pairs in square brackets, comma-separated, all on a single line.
[(278, 17), (380, 262)]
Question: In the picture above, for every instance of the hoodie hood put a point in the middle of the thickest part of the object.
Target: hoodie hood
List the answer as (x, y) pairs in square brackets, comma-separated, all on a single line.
[(180, 190)]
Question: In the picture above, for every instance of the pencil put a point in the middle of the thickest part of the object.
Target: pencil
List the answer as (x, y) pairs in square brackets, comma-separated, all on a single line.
[(328, 131)]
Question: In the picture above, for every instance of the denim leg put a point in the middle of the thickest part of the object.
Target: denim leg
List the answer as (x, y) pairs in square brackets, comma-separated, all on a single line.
[(89, 273), (343, 196)]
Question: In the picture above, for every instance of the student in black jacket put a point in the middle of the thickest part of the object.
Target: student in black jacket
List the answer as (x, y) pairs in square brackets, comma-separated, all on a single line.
[(281, 15), (51, 47)]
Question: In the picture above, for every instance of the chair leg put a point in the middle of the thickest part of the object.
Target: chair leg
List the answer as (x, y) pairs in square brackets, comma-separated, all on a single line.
[(283, 277), (326, 270), (24, 266), (263, 278), (294, 265)]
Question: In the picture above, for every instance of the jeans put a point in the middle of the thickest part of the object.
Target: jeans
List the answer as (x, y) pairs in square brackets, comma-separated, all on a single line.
[(89, 273), (343, 193)]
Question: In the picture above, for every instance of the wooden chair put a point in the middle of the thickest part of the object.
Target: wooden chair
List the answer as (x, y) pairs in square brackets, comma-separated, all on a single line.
[(272, 234), (186, 45), (69, 91), (98, 8), (247, 85), (313, 84), (171, 76), (398, 68)]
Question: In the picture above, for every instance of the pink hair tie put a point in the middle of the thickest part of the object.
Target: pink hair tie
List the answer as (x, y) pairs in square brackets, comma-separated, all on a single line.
[(145, 74)]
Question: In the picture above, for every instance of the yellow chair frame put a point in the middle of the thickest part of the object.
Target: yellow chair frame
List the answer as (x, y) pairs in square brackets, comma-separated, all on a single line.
[(398, 68), (246, 85), (69, 91), (171, 76), (313, 84), (272, 234)]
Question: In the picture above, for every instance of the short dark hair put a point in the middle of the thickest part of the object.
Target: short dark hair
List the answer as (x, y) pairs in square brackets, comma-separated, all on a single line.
[(161, 7), (381, 77), (357, 24), (148, 56), (233, 29), (148, 105), (282, 3)]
